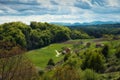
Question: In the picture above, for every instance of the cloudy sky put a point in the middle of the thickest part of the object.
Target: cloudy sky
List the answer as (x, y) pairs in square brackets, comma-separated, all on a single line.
[(59, 10)]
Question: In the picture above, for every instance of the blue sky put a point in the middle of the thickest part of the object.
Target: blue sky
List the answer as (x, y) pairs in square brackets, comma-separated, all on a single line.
[(59, 10)]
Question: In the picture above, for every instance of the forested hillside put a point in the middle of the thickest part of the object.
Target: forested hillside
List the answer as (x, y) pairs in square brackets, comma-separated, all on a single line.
[(37, 34), (99, 30)]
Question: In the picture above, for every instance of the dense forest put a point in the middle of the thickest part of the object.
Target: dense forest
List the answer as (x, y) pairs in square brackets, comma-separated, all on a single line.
[(37, 34)]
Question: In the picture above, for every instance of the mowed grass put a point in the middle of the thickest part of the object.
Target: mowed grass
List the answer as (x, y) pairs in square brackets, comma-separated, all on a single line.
[(40, 57)]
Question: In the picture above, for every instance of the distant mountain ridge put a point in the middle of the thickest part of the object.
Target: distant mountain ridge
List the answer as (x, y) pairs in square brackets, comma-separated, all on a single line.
[(85, 23)]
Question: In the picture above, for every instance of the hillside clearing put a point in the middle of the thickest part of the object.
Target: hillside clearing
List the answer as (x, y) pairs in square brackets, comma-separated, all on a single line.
[(41, 56)]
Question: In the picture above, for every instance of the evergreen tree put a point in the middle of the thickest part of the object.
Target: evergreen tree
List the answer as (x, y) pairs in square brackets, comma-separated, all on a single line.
[(105, 50), (51, 62)]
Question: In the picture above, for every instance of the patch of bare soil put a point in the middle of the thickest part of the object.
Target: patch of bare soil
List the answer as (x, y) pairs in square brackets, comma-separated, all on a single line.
[(99, 40), (69, 42)]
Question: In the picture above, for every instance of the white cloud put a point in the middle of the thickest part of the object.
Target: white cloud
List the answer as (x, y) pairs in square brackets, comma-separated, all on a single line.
[(7, 9), (86, 17), (113, 3), (45, 4), (59, 10), (1, 11), (65, 2), (39, 18), (88, 1)]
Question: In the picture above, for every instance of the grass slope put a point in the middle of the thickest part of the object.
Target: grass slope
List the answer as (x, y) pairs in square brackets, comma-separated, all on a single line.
[(41, 56)]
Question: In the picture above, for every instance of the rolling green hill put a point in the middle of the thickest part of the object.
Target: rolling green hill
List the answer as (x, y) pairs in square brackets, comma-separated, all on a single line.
[(41, 56)]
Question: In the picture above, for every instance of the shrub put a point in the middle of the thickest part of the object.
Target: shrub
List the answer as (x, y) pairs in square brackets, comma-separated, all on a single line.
[(105, 50), (51, 62), (66, 57), (117, 53), (66, 73), (89, 74), (111, 69), (93, 60)]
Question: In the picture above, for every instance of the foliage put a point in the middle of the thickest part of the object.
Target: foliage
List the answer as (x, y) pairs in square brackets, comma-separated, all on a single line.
[(105, 50), (75, 34), (99, 30), (93, 60), (37, 34), (89, 74), (8, 49), (17, 67), (117, 53), (66, 57), (14, 66), (66, 73), (51, 62)]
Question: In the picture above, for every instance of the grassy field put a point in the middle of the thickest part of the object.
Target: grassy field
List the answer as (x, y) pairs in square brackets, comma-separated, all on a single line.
[(40, 57)]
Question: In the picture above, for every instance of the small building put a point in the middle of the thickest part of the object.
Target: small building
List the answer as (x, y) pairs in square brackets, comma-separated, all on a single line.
[(66, 51)]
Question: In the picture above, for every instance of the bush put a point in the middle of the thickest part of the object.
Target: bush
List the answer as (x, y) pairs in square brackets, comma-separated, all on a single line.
[(117, 53), (51, 62), (105, 50), (93, 60), (66, 57), (89, 74), (111, 69), (66, 73)]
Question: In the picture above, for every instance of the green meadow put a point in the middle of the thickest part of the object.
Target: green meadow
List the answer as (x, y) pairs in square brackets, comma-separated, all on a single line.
[(40, 57)]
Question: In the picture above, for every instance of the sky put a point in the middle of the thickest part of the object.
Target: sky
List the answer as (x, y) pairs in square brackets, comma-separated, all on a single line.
[(59, 10)]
